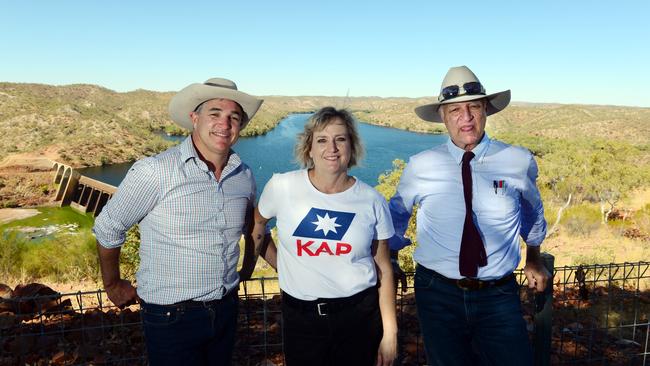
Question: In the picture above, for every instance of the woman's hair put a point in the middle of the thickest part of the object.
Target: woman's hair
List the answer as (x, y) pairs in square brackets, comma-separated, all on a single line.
[(317, 122)]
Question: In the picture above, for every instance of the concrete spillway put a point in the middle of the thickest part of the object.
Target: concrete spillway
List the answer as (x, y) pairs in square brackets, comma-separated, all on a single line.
[(80, 192)]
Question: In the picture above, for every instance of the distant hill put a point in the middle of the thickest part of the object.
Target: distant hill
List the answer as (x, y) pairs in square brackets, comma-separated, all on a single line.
[(85, 125), (627, 124), (82, 124)]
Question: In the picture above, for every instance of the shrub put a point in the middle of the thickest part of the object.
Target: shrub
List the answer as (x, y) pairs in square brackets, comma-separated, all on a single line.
[(581, 220), (387, 187), (642, 219), (9, 204), (130, 254)]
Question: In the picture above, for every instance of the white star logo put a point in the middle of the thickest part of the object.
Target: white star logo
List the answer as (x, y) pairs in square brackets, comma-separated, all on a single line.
[(326, 224)]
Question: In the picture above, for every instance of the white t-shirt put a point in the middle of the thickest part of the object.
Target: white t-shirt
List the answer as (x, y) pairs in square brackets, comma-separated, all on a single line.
[(325, 240)]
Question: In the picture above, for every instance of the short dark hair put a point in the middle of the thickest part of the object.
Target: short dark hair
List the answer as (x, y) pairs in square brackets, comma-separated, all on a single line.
[(244, 117)]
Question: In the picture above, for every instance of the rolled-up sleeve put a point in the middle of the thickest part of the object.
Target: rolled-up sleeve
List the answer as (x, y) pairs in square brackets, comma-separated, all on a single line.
[(533, 224), (135, 197)]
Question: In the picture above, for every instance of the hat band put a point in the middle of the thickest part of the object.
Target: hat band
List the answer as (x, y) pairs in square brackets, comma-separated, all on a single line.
[(220, 85), (453, 91)]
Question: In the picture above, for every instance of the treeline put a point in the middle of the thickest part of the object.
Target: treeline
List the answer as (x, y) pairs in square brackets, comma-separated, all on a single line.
[(591, 170)]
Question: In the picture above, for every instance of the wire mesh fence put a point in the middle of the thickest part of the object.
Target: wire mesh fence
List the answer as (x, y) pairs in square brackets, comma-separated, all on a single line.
[(41, 327), (600, 317), (600, 314)]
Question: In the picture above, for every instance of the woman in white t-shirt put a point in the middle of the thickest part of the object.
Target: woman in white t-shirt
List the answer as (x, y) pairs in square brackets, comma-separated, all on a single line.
[(338, 295)]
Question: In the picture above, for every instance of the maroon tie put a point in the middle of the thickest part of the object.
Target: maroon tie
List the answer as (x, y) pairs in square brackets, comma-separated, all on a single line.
[(472, 251)]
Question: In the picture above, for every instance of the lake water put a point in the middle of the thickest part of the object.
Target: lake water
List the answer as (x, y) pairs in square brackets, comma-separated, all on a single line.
[(273, 152)]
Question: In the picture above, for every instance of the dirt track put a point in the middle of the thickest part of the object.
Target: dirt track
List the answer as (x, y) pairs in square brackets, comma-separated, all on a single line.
[(11, 214)]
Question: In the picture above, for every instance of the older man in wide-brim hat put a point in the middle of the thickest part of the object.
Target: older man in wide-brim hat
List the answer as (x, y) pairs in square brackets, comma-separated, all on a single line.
[(476, 196), (192, 203)]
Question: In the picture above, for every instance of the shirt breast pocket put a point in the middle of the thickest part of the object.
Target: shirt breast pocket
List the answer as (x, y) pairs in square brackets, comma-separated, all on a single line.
[(498, 199)]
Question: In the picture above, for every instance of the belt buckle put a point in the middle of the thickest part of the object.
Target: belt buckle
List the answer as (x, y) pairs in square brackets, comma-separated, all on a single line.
[(321, 311), (465, 283)]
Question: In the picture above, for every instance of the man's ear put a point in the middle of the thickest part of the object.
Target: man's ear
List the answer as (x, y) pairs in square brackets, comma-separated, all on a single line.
[(194, 117)]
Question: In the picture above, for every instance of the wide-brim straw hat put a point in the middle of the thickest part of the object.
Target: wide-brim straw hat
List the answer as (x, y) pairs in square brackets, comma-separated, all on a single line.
[(186, 100), (459, 76)]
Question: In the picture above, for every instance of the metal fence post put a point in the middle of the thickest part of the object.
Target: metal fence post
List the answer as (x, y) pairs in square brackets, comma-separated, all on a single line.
[(544, 317)]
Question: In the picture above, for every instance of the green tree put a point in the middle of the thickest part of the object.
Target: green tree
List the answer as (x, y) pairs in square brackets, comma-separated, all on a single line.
[(130, 253), (387, 186)]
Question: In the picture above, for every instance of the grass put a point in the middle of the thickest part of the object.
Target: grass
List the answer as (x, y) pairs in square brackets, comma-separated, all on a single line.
[(67, 255), (581, 220), (53, 216)]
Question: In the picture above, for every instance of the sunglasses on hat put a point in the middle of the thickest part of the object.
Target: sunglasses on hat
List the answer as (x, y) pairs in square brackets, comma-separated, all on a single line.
[(452, 91)]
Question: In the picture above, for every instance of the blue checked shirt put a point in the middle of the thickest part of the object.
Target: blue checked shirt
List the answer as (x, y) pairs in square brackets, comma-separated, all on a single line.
[(190, 224), (505, 201)]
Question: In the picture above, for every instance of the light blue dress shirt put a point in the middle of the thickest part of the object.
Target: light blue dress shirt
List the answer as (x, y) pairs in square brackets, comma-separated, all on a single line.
[(190, 224), (505, 200)]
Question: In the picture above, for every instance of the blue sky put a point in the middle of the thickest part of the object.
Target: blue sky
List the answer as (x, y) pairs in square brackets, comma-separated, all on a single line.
[(573, 51)]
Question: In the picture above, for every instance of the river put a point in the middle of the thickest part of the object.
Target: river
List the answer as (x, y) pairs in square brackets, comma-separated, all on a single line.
[(273, 152)]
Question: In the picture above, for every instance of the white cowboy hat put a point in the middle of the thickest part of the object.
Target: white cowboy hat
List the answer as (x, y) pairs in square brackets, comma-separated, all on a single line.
[(186, 100), (461, 85)]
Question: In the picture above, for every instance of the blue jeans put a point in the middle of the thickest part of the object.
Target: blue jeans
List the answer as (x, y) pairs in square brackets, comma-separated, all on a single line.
[(479, 327), (191, 335)]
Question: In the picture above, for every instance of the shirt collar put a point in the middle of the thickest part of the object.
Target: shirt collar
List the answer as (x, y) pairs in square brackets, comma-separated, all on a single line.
[(189, 152), (480, 149), (187, 149)]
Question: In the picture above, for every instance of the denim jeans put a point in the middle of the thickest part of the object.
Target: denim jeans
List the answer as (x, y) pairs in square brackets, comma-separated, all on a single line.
[(349, 337), (191, 335), (479, 327)]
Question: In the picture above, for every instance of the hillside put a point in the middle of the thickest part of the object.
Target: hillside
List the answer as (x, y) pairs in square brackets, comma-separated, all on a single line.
[(86, 125), (625, 124), (82, 125)]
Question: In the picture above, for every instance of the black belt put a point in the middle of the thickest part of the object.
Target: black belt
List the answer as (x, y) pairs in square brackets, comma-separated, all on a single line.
[(199, 304), (325, 306), (467, 283)]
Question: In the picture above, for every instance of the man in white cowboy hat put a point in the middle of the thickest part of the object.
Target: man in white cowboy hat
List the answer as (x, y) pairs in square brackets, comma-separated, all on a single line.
[(476, 197), (192, 202)]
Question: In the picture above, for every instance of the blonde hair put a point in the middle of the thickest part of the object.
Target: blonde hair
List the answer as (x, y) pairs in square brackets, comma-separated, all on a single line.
[(317, 122)]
